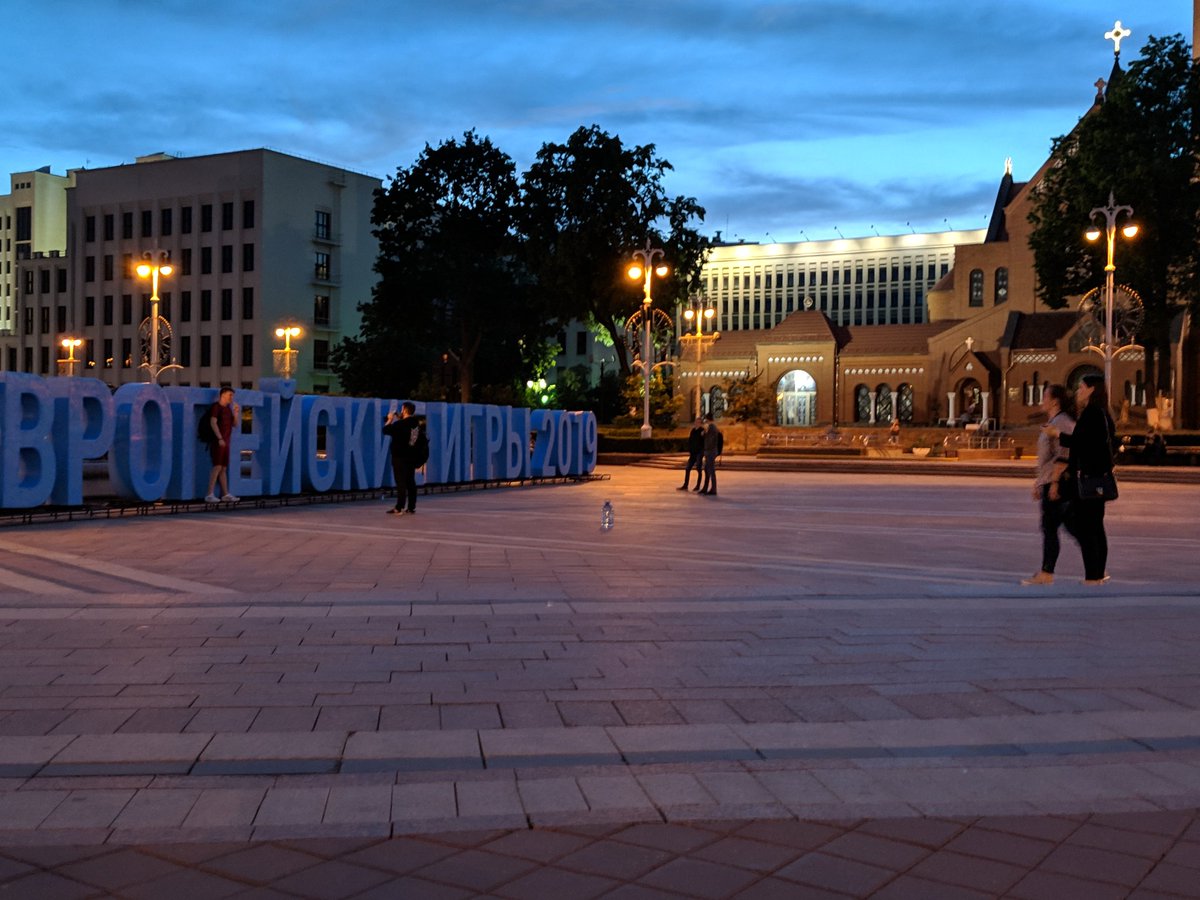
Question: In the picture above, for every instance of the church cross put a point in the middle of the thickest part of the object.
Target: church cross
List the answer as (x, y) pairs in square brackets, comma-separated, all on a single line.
[(1116, 36)]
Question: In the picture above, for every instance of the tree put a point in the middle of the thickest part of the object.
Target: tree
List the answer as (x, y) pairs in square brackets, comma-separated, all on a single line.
[(450, 275), (586, 205), (748, 399), (1142, 146)]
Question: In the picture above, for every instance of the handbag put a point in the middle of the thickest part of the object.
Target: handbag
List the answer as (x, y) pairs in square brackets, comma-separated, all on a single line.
[(1097, 487), (1102, 486)]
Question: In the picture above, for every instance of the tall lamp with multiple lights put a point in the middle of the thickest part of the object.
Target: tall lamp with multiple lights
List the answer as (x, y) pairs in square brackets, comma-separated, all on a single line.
[(67, 366), (699, 313), (285, 359), (154, 267), (647, 269), (1110, 214)]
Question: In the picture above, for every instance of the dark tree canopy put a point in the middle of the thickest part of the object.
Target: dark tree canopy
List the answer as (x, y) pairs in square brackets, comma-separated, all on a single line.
[(587, 204), (1141, 145), (451, 283)]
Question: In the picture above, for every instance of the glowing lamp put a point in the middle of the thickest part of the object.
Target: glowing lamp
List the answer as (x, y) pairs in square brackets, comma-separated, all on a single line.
[(1093, 234)]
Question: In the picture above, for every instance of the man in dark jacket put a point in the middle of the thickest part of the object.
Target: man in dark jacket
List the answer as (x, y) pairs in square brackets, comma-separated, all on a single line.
[(695, 454), (405, 431), (714, 445)]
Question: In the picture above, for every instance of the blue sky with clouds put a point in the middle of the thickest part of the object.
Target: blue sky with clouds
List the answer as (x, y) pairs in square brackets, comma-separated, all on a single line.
[(782, 117)]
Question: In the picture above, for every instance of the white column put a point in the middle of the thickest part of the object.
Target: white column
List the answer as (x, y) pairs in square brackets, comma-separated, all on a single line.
[(874, 401), (895, 405), (986, 397), (950, 416)]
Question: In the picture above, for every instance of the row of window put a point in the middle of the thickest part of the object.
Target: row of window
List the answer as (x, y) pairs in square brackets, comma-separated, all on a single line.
[(166, 221), (185, 311), (186, 266), (109, 360), (999, 286), (858, 274)]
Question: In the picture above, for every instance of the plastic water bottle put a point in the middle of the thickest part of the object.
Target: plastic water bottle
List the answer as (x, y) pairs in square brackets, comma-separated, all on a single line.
[(606, 516)]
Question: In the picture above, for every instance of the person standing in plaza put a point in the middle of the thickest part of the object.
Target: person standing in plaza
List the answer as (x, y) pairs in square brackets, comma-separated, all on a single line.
[(695, 460), (714, 444), (1049, 486), (408, 448), (1091, 454), (222, 416)]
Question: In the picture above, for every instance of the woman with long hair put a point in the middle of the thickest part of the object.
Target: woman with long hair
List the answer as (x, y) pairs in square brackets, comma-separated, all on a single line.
[(1049, 487), (1091, 454)]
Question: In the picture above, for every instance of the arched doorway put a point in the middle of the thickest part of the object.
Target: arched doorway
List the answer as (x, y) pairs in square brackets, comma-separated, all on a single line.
[(796, 399), (1077, 374), (970, 400), (883, 403)]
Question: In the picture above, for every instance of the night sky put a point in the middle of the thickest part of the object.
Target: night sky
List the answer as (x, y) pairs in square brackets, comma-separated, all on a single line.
[(784, 118)]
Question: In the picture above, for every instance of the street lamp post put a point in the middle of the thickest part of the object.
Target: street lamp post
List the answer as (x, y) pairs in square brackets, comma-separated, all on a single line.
[(699, 312), (70, 344), (152, 269), (285, 359), (1110, 214), (647, 269)]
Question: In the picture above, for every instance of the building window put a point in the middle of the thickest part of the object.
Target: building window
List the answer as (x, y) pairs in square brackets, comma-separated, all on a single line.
[(89, 229), (185, 350), (226, 304), (126, 353), (976, 296), (165, 222), (321, 309), (127, 309), (205, 350), (89, 268), (226, 258), (322, 229), (127, 265), (89, 310), (247, 349), (247, 257), (44, 281), (60, 280), (109, 227), (61, 319), (185, 306), (247, 214), (247, 303), (108, 353), (226, 216), (205, 306), (206, 217), (206, 260), (581, 343), (127, 225), (185, 220), (108, 312), (1001, 284), (147, 222), (321, 267), (321, 354), (185, 261), (108, 267), (44, 360), (44, 320), (227, 350)]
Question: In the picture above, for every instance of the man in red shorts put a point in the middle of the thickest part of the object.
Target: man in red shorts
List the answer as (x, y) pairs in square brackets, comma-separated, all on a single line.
[(222, 416)]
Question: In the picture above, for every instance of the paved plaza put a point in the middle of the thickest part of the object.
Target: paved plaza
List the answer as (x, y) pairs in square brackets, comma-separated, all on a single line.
[(814, 684)]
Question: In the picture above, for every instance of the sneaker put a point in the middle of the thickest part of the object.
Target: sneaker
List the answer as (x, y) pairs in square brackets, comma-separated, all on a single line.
[(229, 498), (683, 488), (1095, 581), (410, 512), (1039, 578), (395, 512), (212, 498)]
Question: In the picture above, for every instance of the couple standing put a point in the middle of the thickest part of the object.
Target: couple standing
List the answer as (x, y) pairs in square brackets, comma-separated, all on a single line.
[(1068, 449), (705, 444)]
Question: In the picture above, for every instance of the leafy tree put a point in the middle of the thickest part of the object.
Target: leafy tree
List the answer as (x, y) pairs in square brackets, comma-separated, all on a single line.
[(749, 399), (1142, 146), (451, 285), (586, 205), (662, 400)]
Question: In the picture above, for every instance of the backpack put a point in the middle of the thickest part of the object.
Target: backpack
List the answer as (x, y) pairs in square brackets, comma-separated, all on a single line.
[(420, 445), (204, 432)]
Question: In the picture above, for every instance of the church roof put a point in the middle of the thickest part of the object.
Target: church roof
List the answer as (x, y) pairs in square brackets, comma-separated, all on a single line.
[(883, 340), (998, 224), (1041, 331)]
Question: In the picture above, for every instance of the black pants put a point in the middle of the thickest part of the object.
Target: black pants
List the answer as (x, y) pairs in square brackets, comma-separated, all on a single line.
[(1053, 517), (710, 474), (695, 461), (1087, 524), (405, 474)]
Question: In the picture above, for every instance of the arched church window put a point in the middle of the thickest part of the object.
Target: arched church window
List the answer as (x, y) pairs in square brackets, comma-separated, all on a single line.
[(904, 400), (883, 403), (1001, 284), (976, 298), (862, 403)]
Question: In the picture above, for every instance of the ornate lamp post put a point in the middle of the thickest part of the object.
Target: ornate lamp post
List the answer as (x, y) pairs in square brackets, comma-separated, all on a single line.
[(1110, 214), (67, 366), (155, 330), (698, 313), (285, 359), (647, 269)]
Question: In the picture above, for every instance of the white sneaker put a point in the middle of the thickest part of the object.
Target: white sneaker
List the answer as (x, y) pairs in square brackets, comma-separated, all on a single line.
[(212, 498), (229, 498)]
